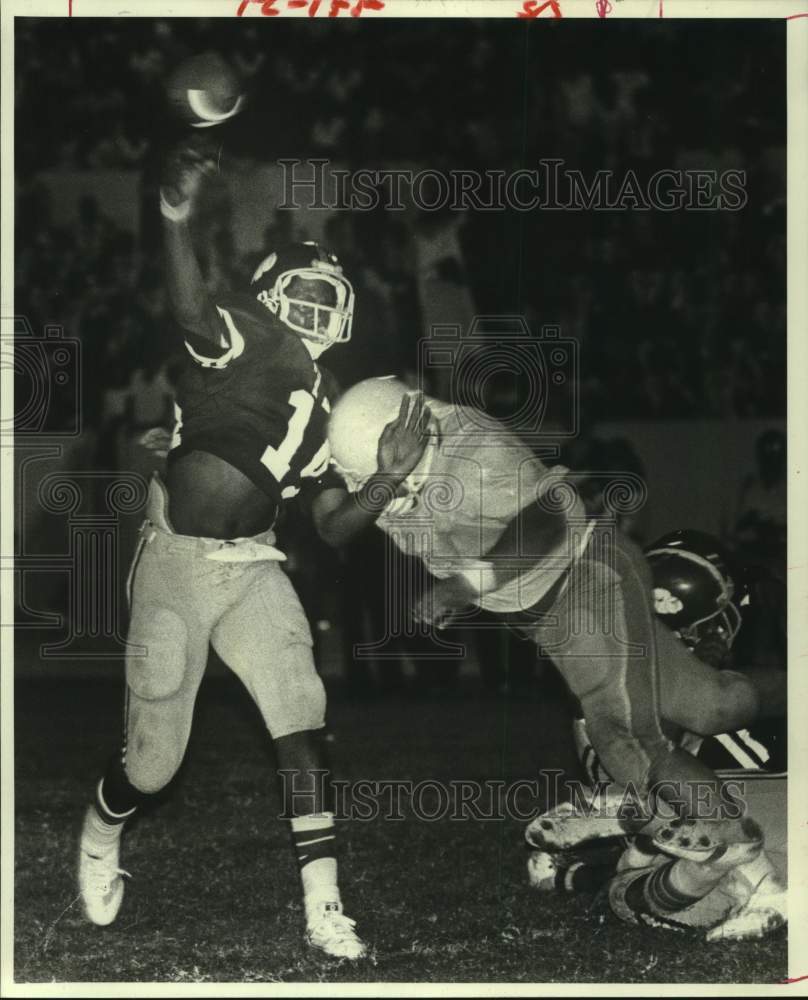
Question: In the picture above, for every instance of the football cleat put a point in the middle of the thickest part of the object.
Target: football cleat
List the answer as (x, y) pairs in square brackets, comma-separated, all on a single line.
[(100, 877), (760, 916), (542, 870), (331, 932), (565, 826), (704, 841), (761, 902)]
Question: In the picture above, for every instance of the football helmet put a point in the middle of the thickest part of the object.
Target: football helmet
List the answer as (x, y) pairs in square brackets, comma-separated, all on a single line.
[(356, 424), (695, 588), (303, 285)]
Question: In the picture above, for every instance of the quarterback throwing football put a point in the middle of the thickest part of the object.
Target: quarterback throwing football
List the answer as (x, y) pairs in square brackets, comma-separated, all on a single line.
[(252, 408)]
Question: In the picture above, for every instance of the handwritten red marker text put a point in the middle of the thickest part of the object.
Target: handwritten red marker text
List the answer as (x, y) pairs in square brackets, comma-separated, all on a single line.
[(272, 8), (532, 8)]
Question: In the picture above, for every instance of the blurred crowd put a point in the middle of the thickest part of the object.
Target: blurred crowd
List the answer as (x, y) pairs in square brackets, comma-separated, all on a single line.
[(677, 315)]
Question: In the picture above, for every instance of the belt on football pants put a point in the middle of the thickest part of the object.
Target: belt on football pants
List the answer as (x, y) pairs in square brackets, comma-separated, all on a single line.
[(231, 550), (523, 621)]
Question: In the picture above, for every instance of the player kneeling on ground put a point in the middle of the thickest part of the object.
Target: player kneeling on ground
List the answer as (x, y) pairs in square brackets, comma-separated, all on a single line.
[(733, 894)]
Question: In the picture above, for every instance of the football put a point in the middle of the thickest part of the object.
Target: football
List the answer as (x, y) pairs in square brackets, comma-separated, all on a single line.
[(204, 90)]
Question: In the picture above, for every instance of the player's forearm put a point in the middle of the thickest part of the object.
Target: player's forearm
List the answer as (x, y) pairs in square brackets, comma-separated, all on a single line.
[(355, 512), (186, 287)]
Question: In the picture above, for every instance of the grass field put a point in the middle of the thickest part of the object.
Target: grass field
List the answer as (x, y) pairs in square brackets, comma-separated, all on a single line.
[(214, 891)]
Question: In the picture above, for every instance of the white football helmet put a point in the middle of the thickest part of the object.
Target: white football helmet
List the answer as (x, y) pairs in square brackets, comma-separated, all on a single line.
[(356, 424)]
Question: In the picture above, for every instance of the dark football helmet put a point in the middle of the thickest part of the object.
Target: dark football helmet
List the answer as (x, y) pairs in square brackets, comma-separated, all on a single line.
[(696, 590), (303, 285)]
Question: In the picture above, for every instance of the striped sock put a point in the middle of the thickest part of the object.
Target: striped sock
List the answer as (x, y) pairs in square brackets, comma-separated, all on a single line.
[(116, 797), (101, 828), (582, 877), (314, 838), (106, 815), (654, 893)]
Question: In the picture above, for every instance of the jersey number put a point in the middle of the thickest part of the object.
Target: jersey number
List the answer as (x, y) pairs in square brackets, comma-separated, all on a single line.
[(279, 460)]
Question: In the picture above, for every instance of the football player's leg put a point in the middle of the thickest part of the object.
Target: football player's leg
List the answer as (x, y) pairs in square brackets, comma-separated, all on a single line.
[(759, 886), (652, 895), (698, 697), (165, 662), (623, 714), (267, 642), (604, 650), (604, 642), (736, 896), (586, 869)]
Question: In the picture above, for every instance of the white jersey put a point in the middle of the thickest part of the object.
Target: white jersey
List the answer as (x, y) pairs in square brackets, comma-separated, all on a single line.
[(476, 480)]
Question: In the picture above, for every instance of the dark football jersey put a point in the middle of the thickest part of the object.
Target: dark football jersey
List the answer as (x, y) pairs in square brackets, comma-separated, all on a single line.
[(261, 403), (763, 747)]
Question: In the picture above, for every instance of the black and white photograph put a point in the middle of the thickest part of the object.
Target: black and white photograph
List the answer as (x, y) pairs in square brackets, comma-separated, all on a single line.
[(402, 565)]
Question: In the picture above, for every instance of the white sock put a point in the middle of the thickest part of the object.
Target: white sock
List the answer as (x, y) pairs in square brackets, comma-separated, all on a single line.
[(762, 874), (318, 876), (320, 885)]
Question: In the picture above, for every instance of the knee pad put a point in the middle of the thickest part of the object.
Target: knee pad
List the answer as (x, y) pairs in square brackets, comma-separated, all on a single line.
[(312, 702), (153, 757), (158, 672)]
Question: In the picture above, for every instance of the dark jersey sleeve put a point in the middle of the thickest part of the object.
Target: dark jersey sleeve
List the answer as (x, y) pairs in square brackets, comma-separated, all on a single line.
[(329, 478), (331, 386), (260, 404), (242, 324)]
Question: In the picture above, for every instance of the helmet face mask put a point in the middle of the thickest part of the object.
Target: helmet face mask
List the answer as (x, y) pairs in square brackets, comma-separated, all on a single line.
[(723, 626), (315, 299), (694, 589)]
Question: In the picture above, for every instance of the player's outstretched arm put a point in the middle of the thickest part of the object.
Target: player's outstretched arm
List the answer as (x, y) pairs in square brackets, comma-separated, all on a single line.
[(340, 515), (183, 173)]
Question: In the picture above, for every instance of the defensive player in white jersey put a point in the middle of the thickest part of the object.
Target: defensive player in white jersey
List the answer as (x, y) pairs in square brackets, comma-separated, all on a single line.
[(498, 529)]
